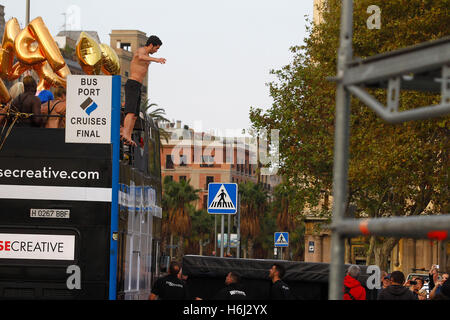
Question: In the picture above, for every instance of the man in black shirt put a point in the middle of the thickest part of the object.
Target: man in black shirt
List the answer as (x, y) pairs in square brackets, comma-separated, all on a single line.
[(233, 290), (279, 289), (170, 287)]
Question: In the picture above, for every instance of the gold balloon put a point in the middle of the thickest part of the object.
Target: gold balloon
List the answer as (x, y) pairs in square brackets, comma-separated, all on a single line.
[(110, 61), (16, 71), (6, 60), (43, 85), (4, 93), (64, 72), (48, 78), (12, 29), (26, 49), (89, 54), (34, 44), (47, 44)]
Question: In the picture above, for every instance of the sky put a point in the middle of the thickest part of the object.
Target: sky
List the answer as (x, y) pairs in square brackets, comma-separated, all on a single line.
[(219, 53)]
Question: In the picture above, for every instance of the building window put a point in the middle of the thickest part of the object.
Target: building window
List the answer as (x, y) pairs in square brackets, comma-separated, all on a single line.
[(182, 178), (183, 161), (209, 179), (207, 161), (169, 178), (169, 162), (125, 46), (205, 202)]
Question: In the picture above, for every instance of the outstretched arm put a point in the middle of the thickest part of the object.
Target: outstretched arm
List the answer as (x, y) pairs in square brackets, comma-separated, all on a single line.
[(144, 57)]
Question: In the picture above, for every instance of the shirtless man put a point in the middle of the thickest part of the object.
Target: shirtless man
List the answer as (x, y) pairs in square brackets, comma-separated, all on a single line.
[(28, 102), (139, 68)]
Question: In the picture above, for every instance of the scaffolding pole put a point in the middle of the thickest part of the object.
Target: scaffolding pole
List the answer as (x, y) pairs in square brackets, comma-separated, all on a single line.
[(341, 153), (416, 227), (428, 62)]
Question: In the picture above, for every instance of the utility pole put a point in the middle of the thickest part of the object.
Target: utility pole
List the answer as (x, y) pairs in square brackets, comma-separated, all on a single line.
[(27, 13)]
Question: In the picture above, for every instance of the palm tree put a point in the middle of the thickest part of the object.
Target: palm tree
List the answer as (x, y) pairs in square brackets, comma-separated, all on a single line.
[(282, 198), (177, 197), (202, 224), (283, 195), (253, 199), (158, 115)]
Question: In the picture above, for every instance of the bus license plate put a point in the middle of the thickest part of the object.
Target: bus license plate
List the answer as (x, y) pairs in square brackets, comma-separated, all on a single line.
[(50, 213)]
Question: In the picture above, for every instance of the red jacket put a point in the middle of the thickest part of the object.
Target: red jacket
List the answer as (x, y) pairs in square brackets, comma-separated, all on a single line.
[(356, 289)]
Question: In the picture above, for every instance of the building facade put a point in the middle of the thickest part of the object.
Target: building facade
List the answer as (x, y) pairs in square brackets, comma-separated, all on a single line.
[(202, 158)]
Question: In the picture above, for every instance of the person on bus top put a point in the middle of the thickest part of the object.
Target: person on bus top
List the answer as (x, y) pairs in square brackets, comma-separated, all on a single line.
[(56, 107), (138, 70), (27, 102), (170, 287)]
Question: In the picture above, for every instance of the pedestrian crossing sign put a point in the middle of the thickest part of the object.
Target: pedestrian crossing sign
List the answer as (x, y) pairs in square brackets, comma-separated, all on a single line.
[(281, 239), (222, 198)]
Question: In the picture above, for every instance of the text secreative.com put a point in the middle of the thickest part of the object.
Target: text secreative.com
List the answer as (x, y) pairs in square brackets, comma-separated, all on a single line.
[(49, 173)]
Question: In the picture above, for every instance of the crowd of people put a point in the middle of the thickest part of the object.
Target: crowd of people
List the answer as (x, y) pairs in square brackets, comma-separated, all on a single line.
[(45, 108), (394, 286)]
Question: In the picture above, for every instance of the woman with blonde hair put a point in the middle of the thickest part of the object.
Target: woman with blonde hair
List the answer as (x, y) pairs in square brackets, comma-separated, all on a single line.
[(16, 90)]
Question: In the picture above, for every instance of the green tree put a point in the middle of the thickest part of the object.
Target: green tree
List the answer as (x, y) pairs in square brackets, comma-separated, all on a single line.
[(287, 219), (394, 170), (177, 198), (158, 115), (253, 200)]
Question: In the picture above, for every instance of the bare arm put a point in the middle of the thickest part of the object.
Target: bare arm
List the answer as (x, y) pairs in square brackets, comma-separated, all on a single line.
[(151, 59), (36, 109), (433, 292), (144, 57)]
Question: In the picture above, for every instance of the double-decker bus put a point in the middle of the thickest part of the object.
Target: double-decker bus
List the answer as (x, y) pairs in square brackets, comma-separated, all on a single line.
[(63, 233)]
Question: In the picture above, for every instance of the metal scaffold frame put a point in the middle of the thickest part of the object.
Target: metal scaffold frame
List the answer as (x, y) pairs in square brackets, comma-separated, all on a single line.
[(430, 64)]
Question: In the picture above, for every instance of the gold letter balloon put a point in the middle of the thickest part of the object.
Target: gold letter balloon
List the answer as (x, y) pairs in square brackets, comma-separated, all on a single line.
[(95, 58), (35, 49)]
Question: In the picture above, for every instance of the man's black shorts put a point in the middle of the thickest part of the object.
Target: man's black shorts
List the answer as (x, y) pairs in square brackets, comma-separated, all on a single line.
[(132, 96)]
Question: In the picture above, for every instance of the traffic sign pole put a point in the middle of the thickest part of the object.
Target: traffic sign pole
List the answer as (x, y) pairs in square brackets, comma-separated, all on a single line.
[(229, 234), (238, 253), (221, 239), (215, 236)]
